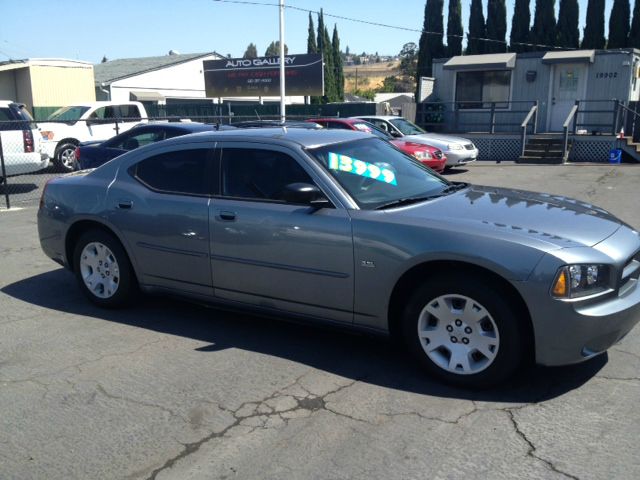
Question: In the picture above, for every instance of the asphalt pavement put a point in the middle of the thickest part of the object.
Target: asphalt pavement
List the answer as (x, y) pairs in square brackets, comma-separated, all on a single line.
[(172, 390)]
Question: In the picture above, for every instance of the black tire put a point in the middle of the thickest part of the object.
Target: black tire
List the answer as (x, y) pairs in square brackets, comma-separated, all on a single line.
[(64, 158), (502, 322), (113, 283)]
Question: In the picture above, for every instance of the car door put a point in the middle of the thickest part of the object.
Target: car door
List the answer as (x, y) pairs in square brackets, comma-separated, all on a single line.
[(161, 206), (271, 253), (101, 123), (128, 116)]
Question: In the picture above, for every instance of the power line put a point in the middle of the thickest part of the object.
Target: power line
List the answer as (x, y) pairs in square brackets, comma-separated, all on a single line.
[(394, 27)]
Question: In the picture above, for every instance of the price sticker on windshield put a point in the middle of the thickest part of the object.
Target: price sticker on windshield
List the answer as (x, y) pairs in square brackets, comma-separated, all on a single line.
[(344, 163)]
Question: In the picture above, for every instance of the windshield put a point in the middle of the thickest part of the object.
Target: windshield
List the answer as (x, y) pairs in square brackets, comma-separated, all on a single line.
[(406, 127), (371, 128), (376, 174), (68, 114)]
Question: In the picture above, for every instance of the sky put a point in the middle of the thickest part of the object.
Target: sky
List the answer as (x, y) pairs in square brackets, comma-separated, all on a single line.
[(88, 30)]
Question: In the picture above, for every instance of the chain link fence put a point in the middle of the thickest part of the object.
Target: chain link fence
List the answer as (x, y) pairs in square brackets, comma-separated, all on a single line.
[(30, 155)]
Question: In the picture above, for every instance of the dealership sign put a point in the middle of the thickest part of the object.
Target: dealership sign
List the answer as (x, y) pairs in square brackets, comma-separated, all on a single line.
[(251, 77)]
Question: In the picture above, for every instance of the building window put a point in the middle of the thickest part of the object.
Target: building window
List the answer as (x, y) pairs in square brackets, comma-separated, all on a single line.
[(479, 89)]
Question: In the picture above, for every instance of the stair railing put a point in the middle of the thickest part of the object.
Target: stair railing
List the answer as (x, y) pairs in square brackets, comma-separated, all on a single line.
[(571, 118), (533, 114), (630, 121)]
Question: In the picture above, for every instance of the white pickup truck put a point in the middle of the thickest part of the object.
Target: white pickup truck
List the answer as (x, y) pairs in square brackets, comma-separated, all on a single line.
[(67, 127)]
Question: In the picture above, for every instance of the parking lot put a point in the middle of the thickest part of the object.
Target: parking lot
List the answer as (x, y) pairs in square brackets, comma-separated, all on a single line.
[(173, 390)]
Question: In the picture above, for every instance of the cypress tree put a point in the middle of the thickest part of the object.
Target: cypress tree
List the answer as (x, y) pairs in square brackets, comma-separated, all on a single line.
[(496, 26), (619, 24), (543, 32), (477, 29), (567, 31), (634, 33), (520, 35), (337, 65), (324, 47), (594, 29), (312, 47), (454, 29), (431, 45)]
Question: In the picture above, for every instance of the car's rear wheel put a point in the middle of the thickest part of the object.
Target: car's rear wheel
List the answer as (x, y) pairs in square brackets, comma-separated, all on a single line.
[(464, 330), (65, 157), (103, 269)]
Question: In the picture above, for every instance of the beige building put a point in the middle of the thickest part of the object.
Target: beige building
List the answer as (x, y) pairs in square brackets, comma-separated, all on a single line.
[(46, 84)]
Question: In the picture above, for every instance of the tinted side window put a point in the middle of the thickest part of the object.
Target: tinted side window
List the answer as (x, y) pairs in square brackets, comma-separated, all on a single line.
[(129, 112), (259, 174), (183, 171), (338, 126), (135, 140)]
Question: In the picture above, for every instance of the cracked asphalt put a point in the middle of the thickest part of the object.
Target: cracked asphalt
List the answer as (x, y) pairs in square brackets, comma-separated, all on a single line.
[(172, 390)]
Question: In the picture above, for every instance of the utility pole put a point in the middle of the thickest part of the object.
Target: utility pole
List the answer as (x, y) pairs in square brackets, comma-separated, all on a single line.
[(283, 115)]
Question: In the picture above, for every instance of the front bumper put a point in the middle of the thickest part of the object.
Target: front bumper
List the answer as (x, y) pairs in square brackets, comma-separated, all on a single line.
[(461, 157), (571, 331)]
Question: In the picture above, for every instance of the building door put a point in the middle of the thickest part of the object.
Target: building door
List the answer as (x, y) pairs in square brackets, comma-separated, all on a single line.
[(569, 85)]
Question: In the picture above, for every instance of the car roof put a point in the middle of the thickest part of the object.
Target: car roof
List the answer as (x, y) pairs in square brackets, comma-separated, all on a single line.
[(180, 126), (300, 136), (381, 117)]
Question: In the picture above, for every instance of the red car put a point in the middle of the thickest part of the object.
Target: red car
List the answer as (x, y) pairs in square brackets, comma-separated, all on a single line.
[(430, 156)]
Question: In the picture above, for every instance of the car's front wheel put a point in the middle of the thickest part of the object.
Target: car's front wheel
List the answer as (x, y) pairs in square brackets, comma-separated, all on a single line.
[(65, 157), (103, 269), (464, 330)]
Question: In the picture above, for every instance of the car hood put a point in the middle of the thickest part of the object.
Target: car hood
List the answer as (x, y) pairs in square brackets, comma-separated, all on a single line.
[(437, 139), (91, 143), (557, 222)]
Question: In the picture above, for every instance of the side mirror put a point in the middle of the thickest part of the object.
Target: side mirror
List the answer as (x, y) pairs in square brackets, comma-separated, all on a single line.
[(395, 133), (305, 194)]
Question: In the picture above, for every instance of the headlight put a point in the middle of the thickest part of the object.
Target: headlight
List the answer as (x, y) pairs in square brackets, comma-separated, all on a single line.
[(455, 146), (47, 135), (575, 281), (422, 155)]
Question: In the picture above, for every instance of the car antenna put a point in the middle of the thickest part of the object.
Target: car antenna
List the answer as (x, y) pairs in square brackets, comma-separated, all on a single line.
[(257, 114)]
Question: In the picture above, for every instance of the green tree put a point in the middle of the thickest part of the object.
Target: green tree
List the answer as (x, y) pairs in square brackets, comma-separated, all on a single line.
[(477, 29), (337, 65), (104, 59), (496, 26), (251, 51), (324, 47), (634, 33), (567, 31), (312, 46), (409, 60), (431, 45), (619, 24), (520, 34), (454, 29), (543, 32), (273, 50), (594, 28)]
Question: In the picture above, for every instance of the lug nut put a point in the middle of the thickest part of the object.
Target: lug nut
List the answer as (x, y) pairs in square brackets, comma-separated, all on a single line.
[(458, 322), (454, 340), (465, 340), (467, 330), (449, 328)]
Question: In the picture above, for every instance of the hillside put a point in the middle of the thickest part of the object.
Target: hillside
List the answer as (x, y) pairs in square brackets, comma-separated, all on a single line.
[(369, 76)]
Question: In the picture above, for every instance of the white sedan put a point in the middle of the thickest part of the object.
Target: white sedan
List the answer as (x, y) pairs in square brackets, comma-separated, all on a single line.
[(459, 151)]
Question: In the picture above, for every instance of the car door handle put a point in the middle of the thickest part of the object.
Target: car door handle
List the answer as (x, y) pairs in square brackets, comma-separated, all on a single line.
[(227, 216), (125, 204)]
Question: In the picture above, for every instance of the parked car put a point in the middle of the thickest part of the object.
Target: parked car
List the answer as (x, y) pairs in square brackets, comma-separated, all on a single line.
[(342, 227), (459, 151), (20, 140), (94, 154), (430, 156), (67, 127)]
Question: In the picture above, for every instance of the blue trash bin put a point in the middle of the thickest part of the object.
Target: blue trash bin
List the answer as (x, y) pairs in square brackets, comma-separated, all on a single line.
[(615, 155)]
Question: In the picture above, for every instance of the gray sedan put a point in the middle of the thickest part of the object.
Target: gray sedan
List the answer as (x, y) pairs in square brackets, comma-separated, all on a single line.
[(341, 227)]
